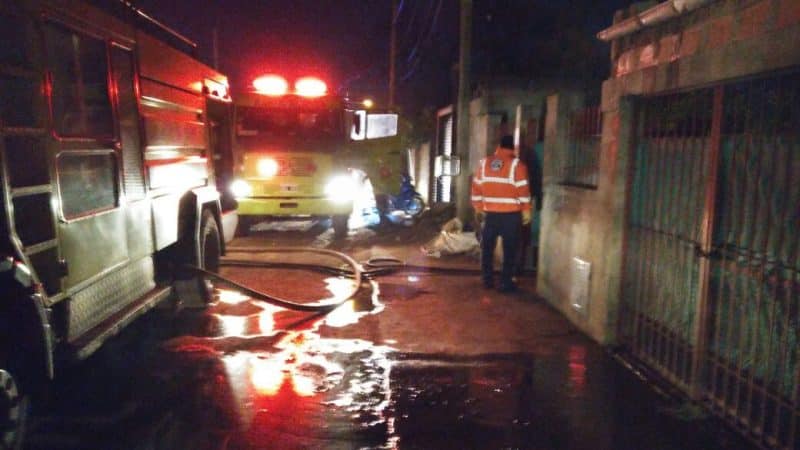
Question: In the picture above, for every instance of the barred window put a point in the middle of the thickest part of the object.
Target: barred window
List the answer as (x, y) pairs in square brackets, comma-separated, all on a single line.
[(580, 164)]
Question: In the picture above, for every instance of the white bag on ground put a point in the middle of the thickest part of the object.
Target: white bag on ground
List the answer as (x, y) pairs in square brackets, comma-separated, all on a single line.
[(451, 241)]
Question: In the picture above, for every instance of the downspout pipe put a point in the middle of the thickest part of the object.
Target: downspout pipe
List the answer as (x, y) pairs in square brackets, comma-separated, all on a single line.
[(649, 17)]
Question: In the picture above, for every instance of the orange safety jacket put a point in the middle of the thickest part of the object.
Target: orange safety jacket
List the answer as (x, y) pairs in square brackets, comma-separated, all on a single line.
[(500, 184)]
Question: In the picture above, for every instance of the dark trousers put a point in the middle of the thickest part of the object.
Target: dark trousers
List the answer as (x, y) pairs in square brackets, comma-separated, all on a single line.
[(507, 226), (524, 246)]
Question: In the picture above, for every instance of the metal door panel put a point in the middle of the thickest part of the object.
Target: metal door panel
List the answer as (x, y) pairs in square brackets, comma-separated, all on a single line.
[(93, 245)]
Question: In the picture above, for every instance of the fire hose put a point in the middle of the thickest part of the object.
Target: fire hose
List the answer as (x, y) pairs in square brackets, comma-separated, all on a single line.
[(369, 269), (355, 273)]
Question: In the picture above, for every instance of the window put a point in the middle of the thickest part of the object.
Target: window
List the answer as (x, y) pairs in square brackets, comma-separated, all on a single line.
[(88, 182), (79, 68), (281, 122), (580, 164)]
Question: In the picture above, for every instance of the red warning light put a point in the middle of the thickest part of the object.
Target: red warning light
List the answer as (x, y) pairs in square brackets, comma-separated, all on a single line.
[(310, 87), (273, 85)]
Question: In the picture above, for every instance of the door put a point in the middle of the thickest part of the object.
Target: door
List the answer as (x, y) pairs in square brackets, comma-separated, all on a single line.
[(711, 282), (92, 224), (661, 279)]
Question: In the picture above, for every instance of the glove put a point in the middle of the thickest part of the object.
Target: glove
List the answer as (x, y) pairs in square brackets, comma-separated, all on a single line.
[(526, 217)]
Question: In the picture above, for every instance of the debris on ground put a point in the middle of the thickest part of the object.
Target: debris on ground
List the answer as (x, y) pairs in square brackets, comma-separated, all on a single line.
[(452, 240)]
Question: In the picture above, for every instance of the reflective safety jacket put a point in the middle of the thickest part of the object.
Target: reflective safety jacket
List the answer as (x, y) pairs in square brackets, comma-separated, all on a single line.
[(500, 184)]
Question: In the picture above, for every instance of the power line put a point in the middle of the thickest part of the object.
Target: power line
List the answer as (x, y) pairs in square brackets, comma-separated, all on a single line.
[(415, 53)]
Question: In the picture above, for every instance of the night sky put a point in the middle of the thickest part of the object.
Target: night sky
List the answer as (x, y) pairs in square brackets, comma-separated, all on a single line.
[(346, 42)]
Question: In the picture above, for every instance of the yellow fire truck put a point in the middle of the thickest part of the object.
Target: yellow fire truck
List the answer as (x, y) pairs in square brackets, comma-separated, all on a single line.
[(303, 152), (107, 136)]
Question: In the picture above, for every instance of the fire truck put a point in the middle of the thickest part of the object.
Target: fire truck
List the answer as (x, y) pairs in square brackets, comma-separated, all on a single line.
[(300, 151), (110, 133)]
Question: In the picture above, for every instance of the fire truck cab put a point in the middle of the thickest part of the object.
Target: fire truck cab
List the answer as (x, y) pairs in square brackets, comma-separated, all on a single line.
[(304, 152), (107, 190)]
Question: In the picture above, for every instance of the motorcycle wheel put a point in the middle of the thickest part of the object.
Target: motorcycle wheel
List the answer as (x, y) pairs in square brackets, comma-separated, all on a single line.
[(415, 206)]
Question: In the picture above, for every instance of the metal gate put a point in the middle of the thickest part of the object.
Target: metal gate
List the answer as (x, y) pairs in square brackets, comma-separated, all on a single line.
[(444, 148), (711, 284)]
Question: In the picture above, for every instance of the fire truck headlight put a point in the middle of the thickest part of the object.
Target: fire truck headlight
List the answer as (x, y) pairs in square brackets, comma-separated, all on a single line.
[(267, 167), (241, 188), (341, 189)]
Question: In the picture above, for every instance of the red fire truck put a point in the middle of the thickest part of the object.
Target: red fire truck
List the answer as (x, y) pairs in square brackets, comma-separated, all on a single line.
[(109, 137)]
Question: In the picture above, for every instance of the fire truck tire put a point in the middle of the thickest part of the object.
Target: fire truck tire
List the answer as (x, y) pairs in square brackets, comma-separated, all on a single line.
[(243, 227), (13, 412), (339, 223), (197, 291)]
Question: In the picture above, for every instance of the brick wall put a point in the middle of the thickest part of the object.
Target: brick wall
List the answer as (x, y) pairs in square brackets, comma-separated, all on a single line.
[(722, 27)]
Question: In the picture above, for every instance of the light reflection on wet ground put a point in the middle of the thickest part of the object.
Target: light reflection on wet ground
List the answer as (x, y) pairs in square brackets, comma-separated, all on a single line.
[(247, 375)]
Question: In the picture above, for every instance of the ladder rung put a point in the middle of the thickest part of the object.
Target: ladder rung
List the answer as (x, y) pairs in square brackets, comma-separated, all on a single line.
[(40, 247), (31, 190)]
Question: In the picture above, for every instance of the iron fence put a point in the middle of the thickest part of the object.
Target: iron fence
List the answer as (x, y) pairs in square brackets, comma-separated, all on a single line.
[(711, 285), (581, 163), (752, 363)]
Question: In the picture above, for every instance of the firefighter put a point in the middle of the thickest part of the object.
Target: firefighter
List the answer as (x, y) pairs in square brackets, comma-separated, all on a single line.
[(502, 201)]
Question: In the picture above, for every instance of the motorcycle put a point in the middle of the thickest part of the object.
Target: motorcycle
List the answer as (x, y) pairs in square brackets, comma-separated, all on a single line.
[(404, 207)]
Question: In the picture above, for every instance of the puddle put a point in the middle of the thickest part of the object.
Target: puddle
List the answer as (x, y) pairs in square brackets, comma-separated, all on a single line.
[(267, 384), (248, 375)]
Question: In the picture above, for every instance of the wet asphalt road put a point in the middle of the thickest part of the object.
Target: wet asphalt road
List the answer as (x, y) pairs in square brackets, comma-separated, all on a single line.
[(415, 361)]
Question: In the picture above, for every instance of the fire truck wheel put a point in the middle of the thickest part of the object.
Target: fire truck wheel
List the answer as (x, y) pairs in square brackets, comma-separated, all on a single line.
[(243, 227), (13, 412), (210, 242), (197, 291), (340, 225)]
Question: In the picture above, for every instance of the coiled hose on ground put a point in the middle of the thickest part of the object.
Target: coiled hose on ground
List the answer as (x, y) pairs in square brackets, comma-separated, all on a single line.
[(355, 273), (369, 269)]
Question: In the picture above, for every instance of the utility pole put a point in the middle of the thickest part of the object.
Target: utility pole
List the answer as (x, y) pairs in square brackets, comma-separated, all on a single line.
[(462, 187), (392, 54)]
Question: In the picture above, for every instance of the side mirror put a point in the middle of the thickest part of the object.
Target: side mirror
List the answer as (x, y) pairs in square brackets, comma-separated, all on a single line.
[(447, 166), (358, 127), (364, 125)]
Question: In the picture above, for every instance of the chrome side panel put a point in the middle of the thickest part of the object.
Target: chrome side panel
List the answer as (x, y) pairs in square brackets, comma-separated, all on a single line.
[(92, 245), (92, 305), (139, 223), (165, 220)]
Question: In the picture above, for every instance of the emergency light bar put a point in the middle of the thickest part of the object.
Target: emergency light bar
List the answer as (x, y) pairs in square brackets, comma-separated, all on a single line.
[(276, 85), (273, 85), (310, 87)]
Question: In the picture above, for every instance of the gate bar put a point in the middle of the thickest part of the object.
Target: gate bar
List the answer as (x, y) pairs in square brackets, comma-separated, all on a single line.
[(700, 324)]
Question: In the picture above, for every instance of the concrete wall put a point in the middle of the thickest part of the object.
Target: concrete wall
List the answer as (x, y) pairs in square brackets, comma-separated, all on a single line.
[(581, 224), (724, 41)]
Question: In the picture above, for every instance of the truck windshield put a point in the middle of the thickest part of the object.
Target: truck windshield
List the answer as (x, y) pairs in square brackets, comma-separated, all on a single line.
[(282, 122)]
